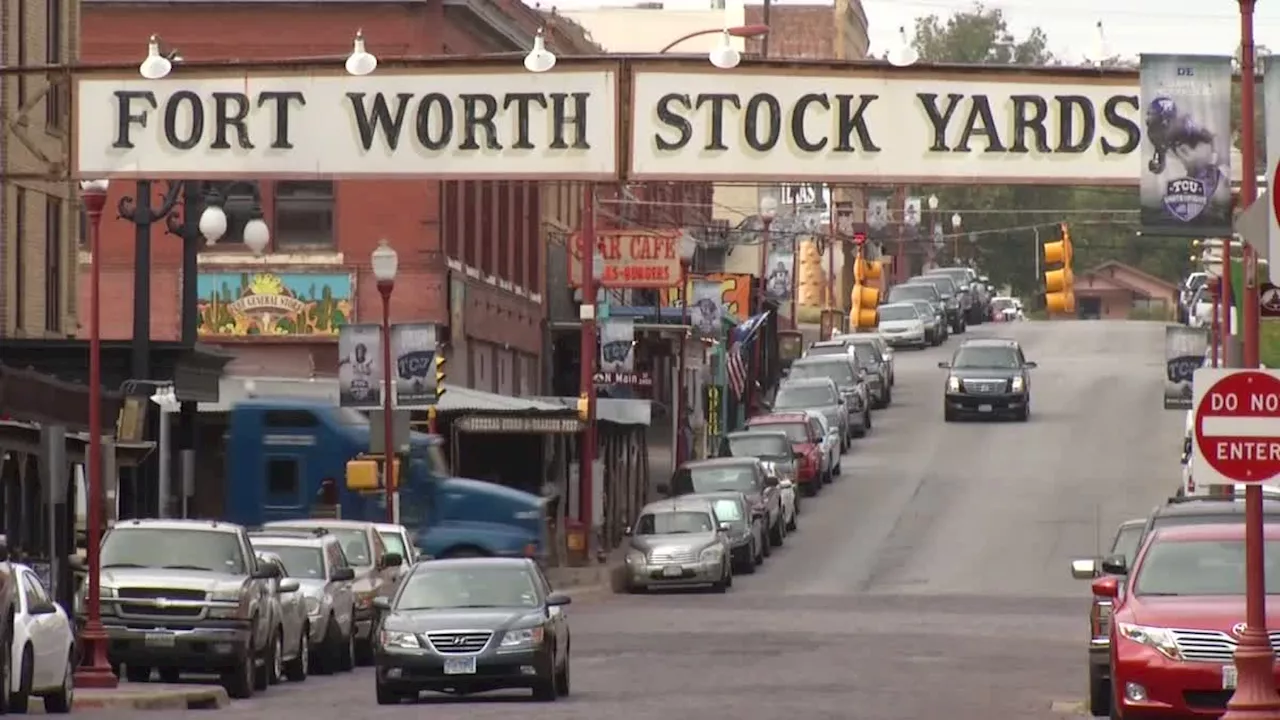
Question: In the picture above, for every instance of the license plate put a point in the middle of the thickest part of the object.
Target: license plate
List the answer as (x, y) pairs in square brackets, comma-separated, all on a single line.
[(984, 408), (673, 571), (160, 640), (460, 666), (1228, 677)]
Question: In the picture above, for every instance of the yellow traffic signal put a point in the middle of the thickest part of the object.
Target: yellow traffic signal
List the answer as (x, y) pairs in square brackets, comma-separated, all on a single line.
[(862, 303), (1060, 302), (873, 269), (1059, 283), (1060, 280), (440, 375), (584, 408), (1055, 252)]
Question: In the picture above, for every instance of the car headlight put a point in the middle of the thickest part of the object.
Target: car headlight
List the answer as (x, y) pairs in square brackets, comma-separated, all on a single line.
[(398, 639), (313, 605), (228, 596), (527, 637), (635, 557), (711, 554), (1017, 384), (1160, 639), (953, 384)]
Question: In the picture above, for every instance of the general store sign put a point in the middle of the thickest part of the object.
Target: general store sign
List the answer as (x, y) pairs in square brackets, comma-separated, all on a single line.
[(455, 124), (678, 122), (632, 258)]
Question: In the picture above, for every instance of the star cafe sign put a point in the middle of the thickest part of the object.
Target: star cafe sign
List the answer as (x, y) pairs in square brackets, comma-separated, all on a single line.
[(631, 258), (674, 122)]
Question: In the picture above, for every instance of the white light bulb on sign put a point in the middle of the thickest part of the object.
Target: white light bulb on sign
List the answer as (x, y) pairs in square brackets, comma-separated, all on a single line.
[(155, 66)]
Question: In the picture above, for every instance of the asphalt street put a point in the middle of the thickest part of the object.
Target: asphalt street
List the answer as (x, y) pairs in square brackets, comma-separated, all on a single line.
[(930, 581)]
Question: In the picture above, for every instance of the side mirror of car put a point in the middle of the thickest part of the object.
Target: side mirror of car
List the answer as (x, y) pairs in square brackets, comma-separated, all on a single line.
[(390, 560), (1108, 587), (382, 603), (43, 607), (266, 571), (786, 484), (662, 488), (944, 365), (1085, 569), (1115, 565), (770, 481), (840, 401), (345, 574), (627, 531), (724, 527), (556, 599), (1029, 365), (289, 585)]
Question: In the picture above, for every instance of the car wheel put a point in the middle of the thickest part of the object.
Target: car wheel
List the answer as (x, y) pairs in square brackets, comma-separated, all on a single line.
[(263, 671), (137, 673), (1023, 414), (766, 547), (888, 396), (277, 659), (562, 675), (866, 421), (349, 649), (386, 696), (544, 689), (791, 522), (20, 699), (777, 535), (949, 415), (839, 468), (239, 680), (61, 700), (1099, 693), (296, 669), (721, 585)]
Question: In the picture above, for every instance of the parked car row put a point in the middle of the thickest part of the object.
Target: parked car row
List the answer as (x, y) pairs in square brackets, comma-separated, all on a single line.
[(1168, 606)]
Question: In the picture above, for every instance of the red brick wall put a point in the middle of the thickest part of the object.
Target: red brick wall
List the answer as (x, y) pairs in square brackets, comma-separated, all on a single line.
[(499, 238)]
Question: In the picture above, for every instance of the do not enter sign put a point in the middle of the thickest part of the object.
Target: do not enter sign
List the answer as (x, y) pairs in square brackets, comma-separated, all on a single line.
[(1237, 426)]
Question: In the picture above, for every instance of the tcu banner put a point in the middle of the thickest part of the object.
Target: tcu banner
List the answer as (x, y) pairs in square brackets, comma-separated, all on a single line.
[(1185, 172), (413, 346), (1184, 349)]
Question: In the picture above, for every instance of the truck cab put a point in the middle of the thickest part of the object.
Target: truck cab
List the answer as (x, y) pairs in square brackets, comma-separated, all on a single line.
[(287, 459)]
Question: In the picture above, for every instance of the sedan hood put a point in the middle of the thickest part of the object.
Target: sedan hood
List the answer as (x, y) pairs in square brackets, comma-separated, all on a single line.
[(694, 542), (900, 325), (170, 579), (496, 619), (830, 412), (1191, 613)]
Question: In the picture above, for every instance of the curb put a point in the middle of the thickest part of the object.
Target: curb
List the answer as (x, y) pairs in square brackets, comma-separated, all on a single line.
[(182, 697)]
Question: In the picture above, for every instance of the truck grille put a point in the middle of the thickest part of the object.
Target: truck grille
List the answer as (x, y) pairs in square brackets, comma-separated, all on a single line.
[(1210, 645), (985, 387), (458, 642), (161, 602), (673, 556)]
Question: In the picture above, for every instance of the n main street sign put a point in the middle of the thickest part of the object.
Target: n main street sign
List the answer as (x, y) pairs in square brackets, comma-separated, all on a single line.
[(680, 120), (1237, 426)]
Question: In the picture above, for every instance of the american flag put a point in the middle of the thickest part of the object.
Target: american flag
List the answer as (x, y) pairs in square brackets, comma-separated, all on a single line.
[(735, 364)]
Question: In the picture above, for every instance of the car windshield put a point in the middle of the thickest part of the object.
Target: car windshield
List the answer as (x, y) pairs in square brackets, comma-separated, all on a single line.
[(443, 588), (897, 312), (1001, 303), (836, 369), (792, 396), (759, 446), (675, 522), (959, 277), (142, 547), (818, 350), (985, 357), (395, 543), (1126, 542), (711, 479), (1201, 567), (299, 562), (797, 432), (866, 355), (728, 510), (912, 292), (355, 544)]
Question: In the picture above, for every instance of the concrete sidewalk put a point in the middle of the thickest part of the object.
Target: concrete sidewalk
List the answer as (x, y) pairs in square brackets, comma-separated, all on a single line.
[(588, 579), (148, 696)]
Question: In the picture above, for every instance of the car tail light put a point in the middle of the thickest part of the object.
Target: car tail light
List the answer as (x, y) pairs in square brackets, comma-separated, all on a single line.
[(1100, 618)]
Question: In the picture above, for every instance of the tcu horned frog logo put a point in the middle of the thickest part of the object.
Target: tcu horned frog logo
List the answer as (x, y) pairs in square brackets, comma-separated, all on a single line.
[(1186, 197)]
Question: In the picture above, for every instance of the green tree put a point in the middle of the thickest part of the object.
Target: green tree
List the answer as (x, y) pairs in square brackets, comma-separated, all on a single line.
[(1003, 217)]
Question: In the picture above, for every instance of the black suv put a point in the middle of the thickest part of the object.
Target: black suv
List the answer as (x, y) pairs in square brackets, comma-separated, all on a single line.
[(988, 377), (956, 302)]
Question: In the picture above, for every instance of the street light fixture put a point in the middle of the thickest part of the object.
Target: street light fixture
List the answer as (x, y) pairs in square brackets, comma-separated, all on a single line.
[(385, 262), (539, 59), (213, 224), (933, 202), (688, 247), (360, 62), (768, 209), (955, 221), (903, 55), (725, 56), (156, 65)]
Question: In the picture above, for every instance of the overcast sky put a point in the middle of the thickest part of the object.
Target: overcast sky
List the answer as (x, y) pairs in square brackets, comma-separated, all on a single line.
[(1131, 26)]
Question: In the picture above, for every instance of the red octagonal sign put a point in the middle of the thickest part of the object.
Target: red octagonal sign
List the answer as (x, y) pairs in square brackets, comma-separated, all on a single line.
[(1237, 426)]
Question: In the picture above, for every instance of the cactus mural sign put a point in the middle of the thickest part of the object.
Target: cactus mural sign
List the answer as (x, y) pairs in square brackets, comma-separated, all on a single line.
[(260, 304)]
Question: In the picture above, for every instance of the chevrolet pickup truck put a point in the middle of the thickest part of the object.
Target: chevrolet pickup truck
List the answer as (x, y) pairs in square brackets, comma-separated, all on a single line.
[(188, 595)]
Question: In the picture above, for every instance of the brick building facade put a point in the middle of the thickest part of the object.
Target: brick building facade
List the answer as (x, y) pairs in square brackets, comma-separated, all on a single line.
[(471, 253)]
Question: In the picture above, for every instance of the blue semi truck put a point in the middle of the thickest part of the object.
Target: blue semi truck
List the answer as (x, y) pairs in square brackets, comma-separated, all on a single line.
[(287, 459)]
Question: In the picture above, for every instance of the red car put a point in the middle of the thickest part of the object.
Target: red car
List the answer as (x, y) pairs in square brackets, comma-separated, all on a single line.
[(806, 442), (1174, 628)]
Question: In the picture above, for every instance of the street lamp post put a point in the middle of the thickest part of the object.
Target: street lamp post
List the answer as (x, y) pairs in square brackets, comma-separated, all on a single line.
[(688, 247), (956, 220), (385, 262), (934, 228), (768, 212), (1255, 697), (592, 273), (96, 670)]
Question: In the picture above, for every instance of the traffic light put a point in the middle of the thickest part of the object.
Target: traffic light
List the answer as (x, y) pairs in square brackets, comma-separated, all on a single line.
[(1059, 283), (440, 375), (584, 408), (864, 298)]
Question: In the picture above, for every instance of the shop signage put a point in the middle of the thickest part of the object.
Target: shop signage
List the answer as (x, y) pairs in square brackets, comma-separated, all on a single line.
[(999, 128), (514, 425), (256, 304), (442, 124), (632, 258), (735, 293)]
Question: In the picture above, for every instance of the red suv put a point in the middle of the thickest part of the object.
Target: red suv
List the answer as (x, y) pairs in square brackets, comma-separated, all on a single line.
[(806, 442), (1175, 627)]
